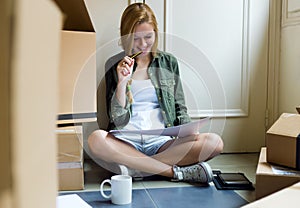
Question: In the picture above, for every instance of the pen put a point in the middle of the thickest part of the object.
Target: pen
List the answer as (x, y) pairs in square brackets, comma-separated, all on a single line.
[(135, 55)]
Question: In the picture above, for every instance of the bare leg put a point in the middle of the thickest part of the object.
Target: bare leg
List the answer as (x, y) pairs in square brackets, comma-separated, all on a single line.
[(191, 149), (106, 147), (183, 151)]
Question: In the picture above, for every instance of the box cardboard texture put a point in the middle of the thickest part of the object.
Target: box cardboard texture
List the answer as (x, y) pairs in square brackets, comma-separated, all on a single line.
[(70, 158), (77, 74), (268, 182), (283, 141), (288, 197)]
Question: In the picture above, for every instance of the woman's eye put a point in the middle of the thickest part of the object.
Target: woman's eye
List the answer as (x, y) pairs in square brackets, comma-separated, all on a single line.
[(146, 37)]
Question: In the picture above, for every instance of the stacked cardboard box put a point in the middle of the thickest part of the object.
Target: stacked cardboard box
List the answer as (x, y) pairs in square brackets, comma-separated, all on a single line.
[(279, 161), (270, 180), (77, 88), (77, 74), (70, 158), (283, 141)]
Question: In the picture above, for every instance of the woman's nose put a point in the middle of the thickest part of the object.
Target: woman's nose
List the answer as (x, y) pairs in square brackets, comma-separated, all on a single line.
[(143, 42)]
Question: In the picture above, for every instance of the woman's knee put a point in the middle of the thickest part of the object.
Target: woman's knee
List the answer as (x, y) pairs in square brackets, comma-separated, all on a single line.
[(219, 143), (212, 141), (95, 139)]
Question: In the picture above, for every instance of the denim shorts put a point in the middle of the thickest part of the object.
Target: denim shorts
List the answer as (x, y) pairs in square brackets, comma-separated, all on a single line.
[(149, 145)]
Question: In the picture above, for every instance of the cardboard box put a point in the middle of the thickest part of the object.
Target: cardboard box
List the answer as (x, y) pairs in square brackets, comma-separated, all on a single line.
[(69, 143), (288, 197), (70, 158), (70, 176), (283, 141), (267, 181), (77, 74)]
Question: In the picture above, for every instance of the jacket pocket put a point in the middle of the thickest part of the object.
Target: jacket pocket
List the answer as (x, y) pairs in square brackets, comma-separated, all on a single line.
[(167, 83), (167, 88)]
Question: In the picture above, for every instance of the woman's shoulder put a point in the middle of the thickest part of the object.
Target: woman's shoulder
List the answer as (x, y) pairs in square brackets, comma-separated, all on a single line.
[(165, 55), (166, 58), (117, 56), (114, 60)]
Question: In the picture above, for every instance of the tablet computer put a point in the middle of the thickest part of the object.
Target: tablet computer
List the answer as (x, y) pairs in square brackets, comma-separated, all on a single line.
[(234, 179)]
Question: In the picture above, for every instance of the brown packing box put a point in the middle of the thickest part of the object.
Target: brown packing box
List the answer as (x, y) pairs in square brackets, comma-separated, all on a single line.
[(283, 141), (268, 182), (77, 74), (288, 197), (70, 158)]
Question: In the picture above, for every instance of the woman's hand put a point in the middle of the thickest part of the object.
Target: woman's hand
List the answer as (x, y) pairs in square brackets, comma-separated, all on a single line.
[(124, 69)]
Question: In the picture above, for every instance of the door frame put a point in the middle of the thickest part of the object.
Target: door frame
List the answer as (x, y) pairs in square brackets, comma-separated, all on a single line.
[(272, 112)]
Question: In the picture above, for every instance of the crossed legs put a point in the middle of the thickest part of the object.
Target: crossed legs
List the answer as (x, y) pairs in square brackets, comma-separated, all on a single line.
[(183, 151)]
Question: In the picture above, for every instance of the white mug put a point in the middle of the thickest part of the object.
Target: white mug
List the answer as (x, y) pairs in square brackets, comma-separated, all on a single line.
[(121, 189)]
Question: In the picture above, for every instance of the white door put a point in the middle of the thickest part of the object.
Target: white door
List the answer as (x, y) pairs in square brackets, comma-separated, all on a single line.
[(222, 48)]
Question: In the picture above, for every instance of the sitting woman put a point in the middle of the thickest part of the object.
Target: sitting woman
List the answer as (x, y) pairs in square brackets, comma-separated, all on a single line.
[(145, 92)]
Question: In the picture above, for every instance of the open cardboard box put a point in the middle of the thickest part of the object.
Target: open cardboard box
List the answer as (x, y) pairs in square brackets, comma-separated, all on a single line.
[(77, 74), (268, 181), (77, 89), (283, 141), (70, 158), (288, 197)]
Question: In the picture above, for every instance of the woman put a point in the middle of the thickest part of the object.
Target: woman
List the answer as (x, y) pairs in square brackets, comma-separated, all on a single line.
[(145, 92)]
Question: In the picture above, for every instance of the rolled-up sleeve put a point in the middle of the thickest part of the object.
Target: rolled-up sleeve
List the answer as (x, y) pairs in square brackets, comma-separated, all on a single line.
[(119, 116)]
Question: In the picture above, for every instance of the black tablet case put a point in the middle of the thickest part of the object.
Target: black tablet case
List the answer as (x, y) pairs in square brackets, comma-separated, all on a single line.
[(231, 181)]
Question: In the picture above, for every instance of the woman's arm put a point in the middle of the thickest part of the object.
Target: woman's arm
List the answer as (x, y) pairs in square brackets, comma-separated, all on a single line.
[(118, 108)]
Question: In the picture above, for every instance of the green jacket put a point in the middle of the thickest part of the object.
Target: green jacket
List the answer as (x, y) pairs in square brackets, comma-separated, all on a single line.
[(164, 74)]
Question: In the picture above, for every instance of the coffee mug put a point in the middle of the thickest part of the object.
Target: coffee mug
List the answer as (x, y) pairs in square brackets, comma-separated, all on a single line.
[(121, 189)]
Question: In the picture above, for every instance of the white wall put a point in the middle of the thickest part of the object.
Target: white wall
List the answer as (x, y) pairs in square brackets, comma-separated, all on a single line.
[(289, 94), (289, 70), (289, 81), (106, 17)]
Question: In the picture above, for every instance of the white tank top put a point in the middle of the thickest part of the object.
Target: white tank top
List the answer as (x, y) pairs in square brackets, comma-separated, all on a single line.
[(146, 113)]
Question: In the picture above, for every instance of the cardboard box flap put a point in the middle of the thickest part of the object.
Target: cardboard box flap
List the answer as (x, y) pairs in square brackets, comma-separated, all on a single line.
[(76, 15), (287, 125), (263, 167)]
